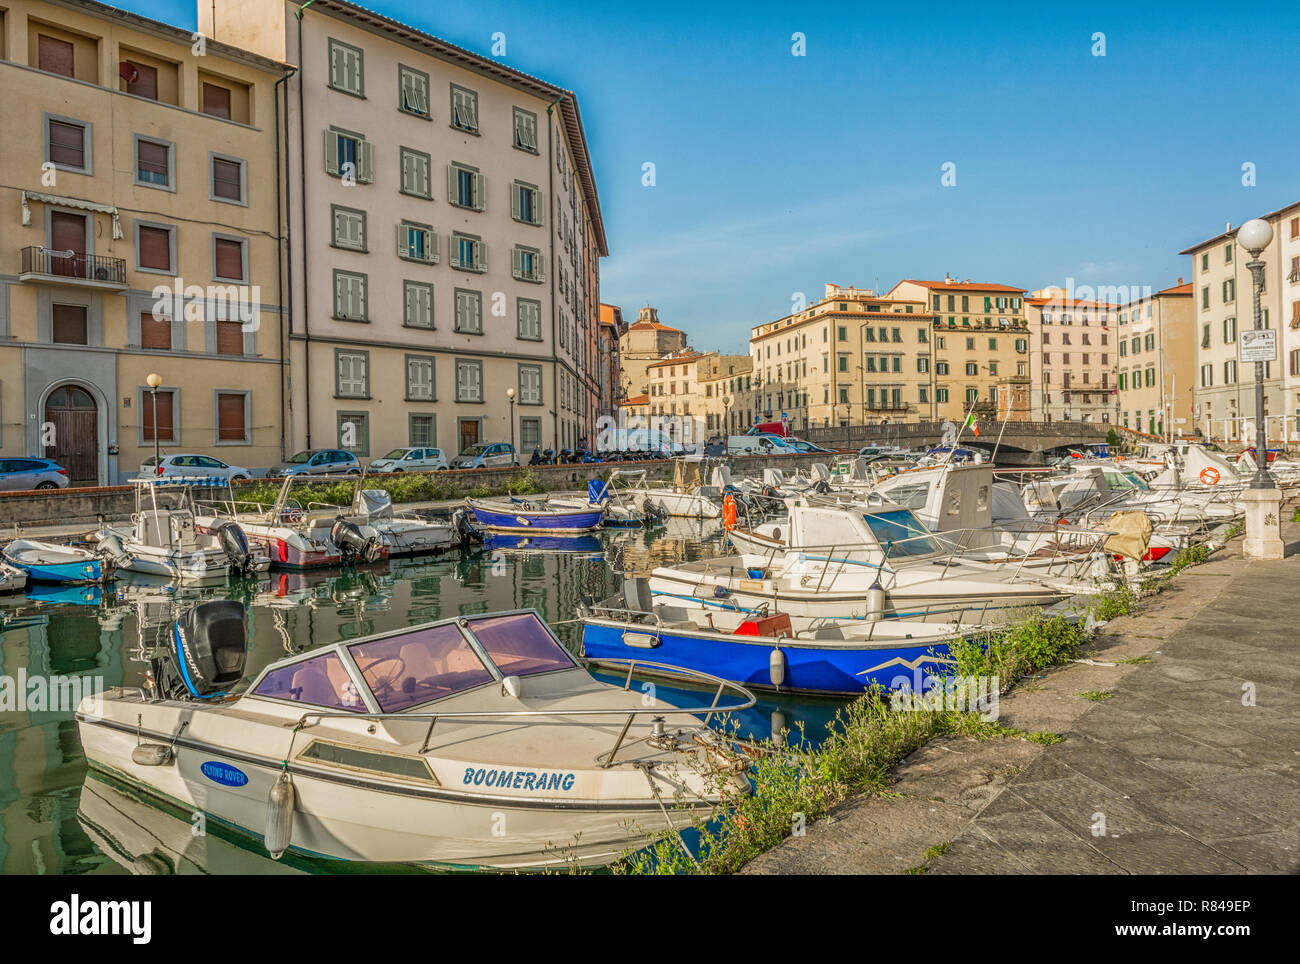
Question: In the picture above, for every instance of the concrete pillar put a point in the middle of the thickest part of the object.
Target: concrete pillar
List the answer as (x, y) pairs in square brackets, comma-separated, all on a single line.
[(1263, 524)]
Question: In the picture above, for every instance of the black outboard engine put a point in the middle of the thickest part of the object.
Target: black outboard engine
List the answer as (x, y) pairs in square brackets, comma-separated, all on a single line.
[(353, 545), (234, 543), (465, 528), (204, 653)]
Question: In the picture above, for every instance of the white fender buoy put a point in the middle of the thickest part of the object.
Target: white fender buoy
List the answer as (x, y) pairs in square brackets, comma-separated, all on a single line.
[(776, 667), (279, 815), (875, 600)]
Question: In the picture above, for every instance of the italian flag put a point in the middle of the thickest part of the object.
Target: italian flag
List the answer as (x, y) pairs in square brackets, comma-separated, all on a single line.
[(970, 424)]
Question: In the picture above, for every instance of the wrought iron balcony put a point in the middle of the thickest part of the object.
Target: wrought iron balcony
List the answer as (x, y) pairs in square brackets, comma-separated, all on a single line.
[(69, 267)]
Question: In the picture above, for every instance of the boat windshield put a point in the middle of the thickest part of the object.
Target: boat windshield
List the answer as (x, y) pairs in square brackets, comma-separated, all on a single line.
[(413, 668), (321, 681), (914, 495), (519, 644), (1123, 481), (901, 532)]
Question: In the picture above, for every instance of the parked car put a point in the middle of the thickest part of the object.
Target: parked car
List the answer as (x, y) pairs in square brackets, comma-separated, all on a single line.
[(17, 474), (410, 460), (799, 445), (192, 464), (317, 462), (486, 455), (758, 445)]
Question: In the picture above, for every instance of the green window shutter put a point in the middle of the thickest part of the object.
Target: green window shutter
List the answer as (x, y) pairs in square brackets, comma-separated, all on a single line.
[(365, 162), (452, 186), (480, 192), (331, 153), (516, 190)]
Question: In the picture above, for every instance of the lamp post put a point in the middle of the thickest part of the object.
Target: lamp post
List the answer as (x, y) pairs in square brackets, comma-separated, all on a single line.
[(153, 380), (510, 394), (1254, 236)]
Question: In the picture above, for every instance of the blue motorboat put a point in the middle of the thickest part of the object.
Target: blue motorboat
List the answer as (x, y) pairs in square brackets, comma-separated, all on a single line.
[(527, 515), (583, 542), (48, 562), (796, 654)]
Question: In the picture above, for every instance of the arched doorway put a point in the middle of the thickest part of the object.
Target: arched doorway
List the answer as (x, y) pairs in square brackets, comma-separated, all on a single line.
[(71, 432)]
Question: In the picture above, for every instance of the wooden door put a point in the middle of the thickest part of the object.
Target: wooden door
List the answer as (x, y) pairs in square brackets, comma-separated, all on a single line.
[(468, 433), (72, 414)]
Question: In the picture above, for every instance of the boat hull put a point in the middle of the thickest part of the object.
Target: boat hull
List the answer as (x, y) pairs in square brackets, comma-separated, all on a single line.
[(532, 520), (79, 572)]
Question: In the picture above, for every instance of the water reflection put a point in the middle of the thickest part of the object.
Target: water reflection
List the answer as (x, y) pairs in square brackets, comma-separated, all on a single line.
[(55, 818)]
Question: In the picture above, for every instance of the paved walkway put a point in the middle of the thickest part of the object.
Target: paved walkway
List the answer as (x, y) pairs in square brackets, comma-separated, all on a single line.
[(1180, 771)]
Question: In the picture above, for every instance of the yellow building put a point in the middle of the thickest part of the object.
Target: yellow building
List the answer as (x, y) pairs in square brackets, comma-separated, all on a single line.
[(981, 346), (1156, 383), (139, 237)]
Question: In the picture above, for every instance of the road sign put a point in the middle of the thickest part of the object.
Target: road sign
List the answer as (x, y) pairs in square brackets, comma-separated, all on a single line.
[(1259, 345)]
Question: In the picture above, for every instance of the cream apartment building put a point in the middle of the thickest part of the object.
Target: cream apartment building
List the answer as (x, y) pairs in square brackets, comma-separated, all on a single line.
[(138, 237), (1222, 299), (641, 344), (981, 346), (1289, 222), (1073, 357), (1156, 354), (445, 236)]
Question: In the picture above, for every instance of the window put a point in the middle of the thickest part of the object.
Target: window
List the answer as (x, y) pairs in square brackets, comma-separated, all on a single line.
[(1227, 253), (349, 155), (413, 91), (349, 228), (1205, 295), (922, 364), (469, 311), (68, 144), (842, 334), (467, 253), (228, 179), (229, 258), (464, 109), (844, 363), (155, 333), (351, 373), (350, 296), (530, 384), (527, 203), (972, 368), (230, 338), (466, 187), (469, 380), (417, 298), (529, 316), (419, 378), (1229, 290), (1207, 375), (528, 264), (215, 100), (1229, 372), (232, 417), (54, 55), (1229, 330), (530, 433), (417, 242), (941, 395), (154, 163), (166, 423), (525, 130), (972, 395), (155, 247), (422, 430), (69, 325), (941, 368), (347, 68), (416, 178), (354, 432), (139, 80)]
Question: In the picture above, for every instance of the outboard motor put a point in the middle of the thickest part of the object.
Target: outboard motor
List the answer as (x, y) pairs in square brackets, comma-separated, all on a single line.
[(464, 526), (234, 543), (111, 548), (204, 653), (353, 544)]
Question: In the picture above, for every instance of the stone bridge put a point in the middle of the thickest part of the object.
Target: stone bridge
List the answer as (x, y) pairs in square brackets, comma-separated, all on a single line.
[(1020, 442)]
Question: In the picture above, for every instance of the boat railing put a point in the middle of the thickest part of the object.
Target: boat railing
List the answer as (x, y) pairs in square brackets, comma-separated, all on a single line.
[(745, 697)]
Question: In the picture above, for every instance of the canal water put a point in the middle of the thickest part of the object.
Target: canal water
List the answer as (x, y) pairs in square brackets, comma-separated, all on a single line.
[(57, 818)]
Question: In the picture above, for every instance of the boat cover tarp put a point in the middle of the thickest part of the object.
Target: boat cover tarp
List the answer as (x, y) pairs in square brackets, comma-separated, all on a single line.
[(376, 504), (1132, 534)]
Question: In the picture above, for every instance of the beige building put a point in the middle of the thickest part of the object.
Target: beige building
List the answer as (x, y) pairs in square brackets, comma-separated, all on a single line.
[(1225, 388), (139, 237), (445, 236), (1073, 361), (1289, 225), (610, 372), (643, 343), (980, 346), (1156, 355)]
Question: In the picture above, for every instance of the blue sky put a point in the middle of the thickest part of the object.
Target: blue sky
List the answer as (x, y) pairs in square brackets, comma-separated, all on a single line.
[(776, 173)]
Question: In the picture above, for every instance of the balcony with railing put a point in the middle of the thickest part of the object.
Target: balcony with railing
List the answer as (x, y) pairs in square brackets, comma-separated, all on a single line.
[(50, 266)]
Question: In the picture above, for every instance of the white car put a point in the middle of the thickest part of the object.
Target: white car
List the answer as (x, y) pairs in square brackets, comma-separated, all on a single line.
[(193, 464), (409, 460), (486, 455)]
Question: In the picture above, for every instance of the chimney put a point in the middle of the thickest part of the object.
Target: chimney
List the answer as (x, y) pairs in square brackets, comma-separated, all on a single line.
[(1180, 280)]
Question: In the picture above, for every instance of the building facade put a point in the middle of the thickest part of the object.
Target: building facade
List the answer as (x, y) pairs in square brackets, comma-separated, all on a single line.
[(609, 366), (140, 239), (1156, 355), (1225, 388), (1289, 223), (445, 237), (1073, 357), (640, 345)]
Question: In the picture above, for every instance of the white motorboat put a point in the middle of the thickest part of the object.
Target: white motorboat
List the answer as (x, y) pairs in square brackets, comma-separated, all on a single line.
[(686, 496), (404, 534), (473, 742), (50, 562), (166, 537), (12, 579)]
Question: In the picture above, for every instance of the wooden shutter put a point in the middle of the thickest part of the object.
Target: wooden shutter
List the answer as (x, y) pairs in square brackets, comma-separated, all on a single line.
[(419, 306), (230, 338), (230, 418), (55, 55), (154, 332), (453, 185), (155, 248), (216, 100), (165, 430), (67, 144), (229, 259), (365, 162), (145, 83), (70, 326), (152, 162), (331, 152), (404, 241), (227, 179)]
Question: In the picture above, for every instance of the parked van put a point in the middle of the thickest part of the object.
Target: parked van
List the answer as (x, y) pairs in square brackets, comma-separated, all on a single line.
[(758, 445)]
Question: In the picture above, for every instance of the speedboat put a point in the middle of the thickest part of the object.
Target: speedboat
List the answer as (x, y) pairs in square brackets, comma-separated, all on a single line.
[(533, 515), (472, 742), (49, 562), (12, 579), (684, 497), (165, 537), (404, 535), (761, 649)]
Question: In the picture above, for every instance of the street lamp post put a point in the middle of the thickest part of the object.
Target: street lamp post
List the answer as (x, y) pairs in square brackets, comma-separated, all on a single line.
[(1263, 499), (510, 394), (153, 380)]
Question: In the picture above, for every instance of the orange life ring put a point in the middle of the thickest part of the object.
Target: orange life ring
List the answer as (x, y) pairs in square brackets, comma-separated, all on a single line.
[(729, 511), (1210, 475)]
